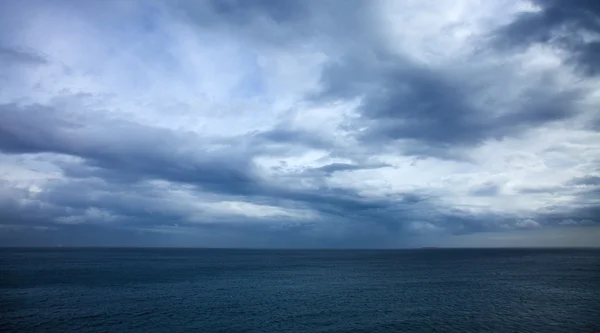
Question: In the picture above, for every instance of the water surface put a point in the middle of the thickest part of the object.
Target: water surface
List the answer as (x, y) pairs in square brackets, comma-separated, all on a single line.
[(202, 290)]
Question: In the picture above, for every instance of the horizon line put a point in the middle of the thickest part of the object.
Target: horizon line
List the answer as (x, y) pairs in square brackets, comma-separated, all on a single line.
[(298, 248)]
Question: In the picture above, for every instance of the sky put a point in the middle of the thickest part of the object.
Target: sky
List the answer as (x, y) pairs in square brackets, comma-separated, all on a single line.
[(300, 124)]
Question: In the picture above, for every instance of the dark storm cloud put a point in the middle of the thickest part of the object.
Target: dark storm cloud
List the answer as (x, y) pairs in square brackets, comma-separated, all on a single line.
[(562, 23), (402, 100), (582, 209), (571, 215), (134, 150), (12, 211), (357, 221), (126, 154), (587, 180)]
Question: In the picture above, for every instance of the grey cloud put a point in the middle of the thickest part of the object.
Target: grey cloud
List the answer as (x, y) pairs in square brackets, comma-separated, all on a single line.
[(488, 189), (9, 56), (286, 136), (127, 154), (582, 209), (402, 101), (562, 23), (587, 180), (135, 150), (578, 215), (543, 189), (275, 23), (141, 209), (336, 167), (405, 101), (124, 153)]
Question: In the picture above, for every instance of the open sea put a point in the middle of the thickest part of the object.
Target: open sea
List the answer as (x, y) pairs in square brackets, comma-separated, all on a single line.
[(204, 290)]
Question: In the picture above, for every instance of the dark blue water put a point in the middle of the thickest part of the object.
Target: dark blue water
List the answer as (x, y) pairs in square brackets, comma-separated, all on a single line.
[(193, 290)]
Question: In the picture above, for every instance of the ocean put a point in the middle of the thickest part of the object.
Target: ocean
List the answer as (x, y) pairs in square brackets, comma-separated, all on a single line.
[(210, 290)]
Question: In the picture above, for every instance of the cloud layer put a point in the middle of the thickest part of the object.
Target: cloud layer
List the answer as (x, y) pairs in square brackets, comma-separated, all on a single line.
[(300, 123)]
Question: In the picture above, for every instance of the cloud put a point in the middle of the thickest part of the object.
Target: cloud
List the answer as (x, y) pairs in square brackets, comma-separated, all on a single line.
[(434, 106), (132, 149), (10, 56), (572, 27), (337, 167), (586, 180), (297, 123)]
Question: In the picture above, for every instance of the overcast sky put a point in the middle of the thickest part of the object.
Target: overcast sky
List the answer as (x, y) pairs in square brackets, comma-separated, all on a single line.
[(343, 123)]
